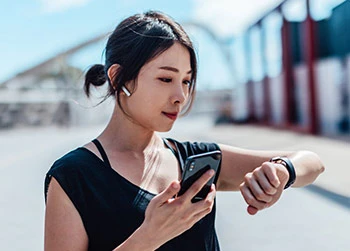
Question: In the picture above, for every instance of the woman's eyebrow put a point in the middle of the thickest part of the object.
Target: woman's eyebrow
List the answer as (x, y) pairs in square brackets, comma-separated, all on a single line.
[(169, 68)]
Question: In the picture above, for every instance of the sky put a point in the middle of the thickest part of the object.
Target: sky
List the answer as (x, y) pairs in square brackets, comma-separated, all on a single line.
[(35, 30)]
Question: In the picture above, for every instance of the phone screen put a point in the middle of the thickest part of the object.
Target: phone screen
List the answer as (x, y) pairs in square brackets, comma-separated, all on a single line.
[(196, 166)]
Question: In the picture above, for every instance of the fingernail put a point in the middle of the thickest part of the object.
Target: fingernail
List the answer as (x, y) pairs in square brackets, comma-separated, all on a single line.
[(175, 185), (211, 172)]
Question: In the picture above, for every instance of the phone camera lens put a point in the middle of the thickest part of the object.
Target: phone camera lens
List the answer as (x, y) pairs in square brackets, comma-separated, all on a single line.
[(192, 166)]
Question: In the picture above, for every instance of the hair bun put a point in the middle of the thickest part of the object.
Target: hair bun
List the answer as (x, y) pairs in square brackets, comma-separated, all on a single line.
[(94, 76)]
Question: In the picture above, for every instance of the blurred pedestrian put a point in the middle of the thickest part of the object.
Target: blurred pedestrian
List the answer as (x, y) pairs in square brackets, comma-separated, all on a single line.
[(118, 192)]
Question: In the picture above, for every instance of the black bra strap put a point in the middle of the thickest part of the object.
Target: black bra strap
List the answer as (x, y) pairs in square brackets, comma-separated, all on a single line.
[(102, 152), (166, 142)]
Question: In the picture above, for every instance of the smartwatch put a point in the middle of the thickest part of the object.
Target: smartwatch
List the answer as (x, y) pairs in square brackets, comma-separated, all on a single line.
[(288, 164)]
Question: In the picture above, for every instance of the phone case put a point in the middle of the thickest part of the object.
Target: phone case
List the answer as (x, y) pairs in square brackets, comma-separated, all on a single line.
[(196, 166)]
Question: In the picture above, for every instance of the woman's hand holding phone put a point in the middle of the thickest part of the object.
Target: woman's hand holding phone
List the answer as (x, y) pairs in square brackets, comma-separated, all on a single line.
[(168, 216)]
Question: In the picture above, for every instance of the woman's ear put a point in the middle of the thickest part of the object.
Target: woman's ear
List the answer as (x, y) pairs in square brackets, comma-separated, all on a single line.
[(112, 72)]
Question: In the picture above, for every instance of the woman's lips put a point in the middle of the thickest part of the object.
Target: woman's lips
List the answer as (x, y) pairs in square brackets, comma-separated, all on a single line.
[(171, 116)]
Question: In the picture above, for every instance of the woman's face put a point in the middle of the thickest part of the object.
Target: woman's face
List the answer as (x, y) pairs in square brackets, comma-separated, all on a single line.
[(161, 90)]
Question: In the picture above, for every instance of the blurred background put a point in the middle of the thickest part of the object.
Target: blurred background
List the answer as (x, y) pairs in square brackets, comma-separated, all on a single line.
[(272, 74), (278, 63)]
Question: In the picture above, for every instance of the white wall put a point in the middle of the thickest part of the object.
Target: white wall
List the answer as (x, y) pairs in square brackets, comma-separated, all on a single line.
[(328, 79), (302, 94), (277, 99), (259, 99), (240, 102)]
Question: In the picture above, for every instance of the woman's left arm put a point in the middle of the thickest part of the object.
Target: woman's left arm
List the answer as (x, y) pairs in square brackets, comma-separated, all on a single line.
[(238, 162), (260, 181)]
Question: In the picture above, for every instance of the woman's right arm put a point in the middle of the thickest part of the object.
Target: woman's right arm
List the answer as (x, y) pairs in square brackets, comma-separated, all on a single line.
[(166, 217), (64, 229)]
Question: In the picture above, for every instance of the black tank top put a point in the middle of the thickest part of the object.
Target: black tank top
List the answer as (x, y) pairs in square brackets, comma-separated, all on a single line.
[(112, 208)]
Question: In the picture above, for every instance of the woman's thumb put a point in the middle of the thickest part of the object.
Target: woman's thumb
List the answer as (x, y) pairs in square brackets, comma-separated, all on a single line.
[(252, 210)]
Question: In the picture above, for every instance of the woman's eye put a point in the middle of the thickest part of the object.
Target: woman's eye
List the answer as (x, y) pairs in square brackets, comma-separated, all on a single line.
[(187, 82), (167, 80)]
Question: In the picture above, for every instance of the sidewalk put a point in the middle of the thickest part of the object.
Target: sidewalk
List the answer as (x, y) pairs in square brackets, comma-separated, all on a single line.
[(334, 153)]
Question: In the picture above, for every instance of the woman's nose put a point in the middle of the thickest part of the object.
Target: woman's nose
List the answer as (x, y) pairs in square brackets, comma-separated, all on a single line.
[(179, 94)]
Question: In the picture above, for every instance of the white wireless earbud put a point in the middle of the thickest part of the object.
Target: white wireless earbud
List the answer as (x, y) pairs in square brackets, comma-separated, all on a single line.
[(127, 93)]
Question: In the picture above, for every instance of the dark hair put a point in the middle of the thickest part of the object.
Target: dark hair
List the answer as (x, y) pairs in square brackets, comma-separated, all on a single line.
[(135, 41)]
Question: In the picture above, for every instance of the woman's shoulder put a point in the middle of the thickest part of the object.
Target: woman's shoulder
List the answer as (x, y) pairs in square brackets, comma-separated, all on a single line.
[(76, 161), (71, 167), (75, 157)]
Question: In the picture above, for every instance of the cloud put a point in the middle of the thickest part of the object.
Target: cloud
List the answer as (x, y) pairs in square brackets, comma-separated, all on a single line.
[(52, 6), (230, 17)]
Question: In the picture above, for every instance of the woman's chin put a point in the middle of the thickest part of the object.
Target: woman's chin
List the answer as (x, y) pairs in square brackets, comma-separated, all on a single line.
[(165, 129)]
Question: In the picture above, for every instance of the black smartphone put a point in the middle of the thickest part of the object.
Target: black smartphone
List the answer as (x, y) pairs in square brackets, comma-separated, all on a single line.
[(195, 167)]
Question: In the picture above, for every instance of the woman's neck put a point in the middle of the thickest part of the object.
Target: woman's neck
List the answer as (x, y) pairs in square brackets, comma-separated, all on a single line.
[(123, 135)]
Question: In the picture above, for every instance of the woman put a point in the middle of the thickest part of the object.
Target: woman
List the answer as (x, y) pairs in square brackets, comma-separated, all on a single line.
[(119, 191)]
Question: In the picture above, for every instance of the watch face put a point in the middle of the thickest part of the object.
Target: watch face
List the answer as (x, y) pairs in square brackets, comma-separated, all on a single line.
[(278, 160), (281, 162), (288, 164)]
